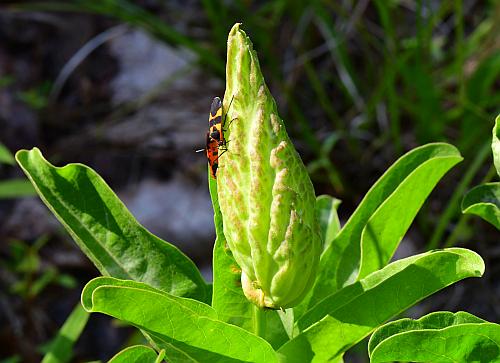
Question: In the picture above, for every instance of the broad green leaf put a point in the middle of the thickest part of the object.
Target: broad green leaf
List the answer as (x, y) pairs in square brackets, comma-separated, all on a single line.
[(15, 188), (344, 318), (6, 156), (287, 322), (194, 305), (326, 212), (462, 343), (435, 320), (387, 226), (228, 298), (61, 348), (186, 334), (106, 231), (438, 337), (383, 217), (484, 201), (495, 144), (135, 354)]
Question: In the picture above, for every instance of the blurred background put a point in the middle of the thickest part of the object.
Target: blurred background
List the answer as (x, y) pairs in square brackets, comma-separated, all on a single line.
[(125, 87)]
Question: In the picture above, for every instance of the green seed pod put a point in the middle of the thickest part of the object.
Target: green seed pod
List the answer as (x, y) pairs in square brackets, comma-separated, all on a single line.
[(266, 198)]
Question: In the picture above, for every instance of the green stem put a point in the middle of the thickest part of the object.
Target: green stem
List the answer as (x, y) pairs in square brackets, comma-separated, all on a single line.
[(161, 356), (259, 321)]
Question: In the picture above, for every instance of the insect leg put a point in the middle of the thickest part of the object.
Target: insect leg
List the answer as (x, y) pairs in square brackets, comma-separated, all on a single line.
[(225, 115)]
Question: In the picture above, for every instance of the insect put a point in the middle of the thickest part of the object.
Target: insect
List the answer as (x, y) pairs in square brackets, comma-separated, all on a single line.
[(212, 151), (215, 122), (215, 136)]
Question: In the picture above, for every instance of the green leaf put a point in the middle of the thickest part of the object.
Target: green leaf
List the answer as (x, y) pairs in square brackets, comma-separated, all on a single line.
[(383, 217), (387, 226), (61, 348), (15, 188), (326, 213), (187, 329), (135, 354), (6, 156), (228, 299), (437, 337), (194, 305), (435, 320), (106, 231), (495, 144), (484, 201), (349, 315)]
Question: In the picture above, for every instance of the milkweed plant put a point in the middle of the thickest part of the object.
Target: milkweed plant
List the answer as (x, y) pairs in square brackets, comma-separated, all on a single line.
[(289, 283)]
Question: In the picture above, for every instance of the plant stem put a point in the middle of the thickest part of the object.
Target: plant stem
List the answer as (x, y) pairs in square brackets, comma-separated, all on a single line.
[(259, 321), (161, 356)]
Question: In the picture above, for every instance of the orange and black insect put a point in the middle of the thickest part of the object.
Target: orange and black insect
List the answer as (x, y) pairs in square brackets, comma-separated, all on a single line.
[(215, 122), (212, 151), (215, 136)]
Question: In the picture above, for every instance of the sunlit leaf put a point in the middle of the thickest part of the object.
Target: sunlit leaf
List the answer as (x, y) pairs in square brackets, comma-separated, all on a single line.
[(495, 144), (484, 201), (188, 330), (346, 317), (135, 354), (372, 234), (326, 212), (106, 231), (438, 337)]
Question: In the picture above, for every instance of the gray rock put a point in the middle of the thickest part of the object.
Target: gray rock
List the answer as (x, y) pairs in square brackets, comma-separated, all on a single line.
[(144, 64), (177, 211)]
